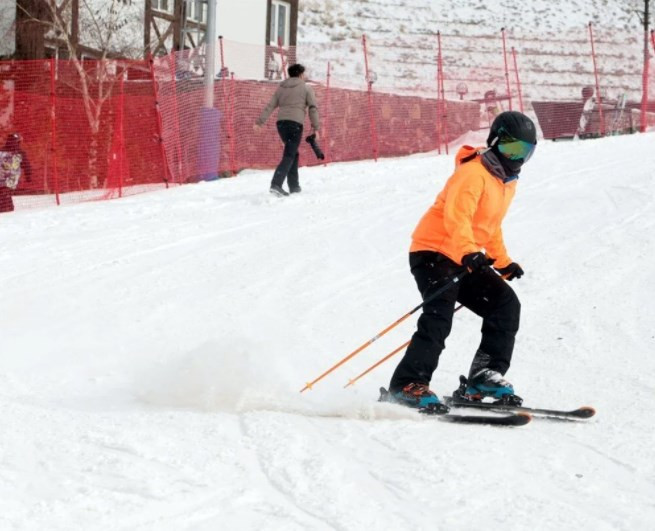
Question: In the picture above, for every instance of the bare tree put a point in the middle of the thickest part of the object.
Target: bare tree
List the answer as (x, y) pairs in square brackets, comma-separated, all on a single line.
[(102, 30)]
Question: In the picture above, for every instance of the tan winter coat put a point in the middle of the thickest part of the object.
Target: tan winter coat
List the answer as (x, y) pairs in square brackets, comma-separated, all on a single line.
[(292, 96)]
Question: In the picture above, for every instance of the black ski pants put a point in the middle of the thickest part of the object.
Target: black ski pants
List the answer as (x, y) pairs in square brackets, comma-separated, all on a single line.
[(291, 134), (6, 202), (484, 292)]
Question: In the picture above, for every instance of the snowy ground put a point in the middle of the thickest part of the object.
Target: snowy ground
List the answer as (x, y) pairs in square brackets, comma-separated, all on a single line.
[(152, 349)]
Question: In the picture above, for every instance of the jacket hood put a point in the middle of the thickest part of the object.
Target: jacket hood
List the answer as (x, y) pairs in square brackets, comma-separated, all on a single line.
[(495, 166), (503, 168), (489, 160), (291, 82)]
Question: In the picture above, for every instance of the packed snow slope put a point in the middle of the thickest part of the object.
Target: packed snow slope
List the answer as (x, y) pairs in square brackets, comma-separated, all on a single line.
[(152, 350)]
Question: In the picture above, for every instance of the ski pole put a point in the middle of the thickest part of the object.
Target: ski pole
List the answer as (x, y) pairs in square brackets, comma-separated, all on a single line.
[(447, 286), (380, 362)]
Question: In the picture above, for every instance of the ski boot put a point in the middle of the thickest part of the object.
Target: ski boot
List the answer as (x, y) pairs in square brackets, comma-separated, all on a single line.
[(487, 383), (416, 396)]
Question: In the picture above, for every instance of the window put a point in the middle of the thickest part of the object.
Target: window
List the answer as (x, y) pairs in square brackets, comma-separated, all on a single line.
[(163, 5), (280, 16), (196, 10)]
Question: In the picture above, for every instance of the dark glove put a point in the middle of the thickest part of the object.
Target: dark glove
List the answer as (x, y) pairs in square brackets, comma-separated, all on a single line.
[(511, 271), (476, 261), (311, 140)]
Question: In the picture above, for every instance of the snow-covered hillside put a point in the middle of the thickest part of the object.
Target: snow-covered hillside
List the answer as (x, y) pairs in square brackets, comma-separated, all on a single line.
[(152, 349), (551, 39), (323, 20)]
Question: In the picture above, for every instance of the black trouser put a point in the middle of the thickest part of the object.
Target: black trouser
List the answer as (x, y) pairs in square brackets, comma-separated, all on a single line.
[(291, 134), (6, 202), (484, 293)]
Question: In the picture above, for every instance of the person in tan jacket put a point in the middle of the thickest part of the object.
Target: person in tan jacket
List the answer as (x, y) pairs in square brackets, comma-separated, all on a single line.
[(293, 97), (450, 242)]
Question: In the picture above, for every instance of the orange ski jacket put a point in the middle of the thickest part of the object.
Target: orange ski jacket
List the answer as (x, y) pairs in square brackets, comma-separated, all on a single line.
[(467, 214)]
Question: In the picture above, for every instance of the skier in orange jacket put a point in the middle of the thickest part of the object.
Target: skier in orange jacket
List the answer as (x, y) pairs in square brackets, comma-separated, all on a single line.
[(451, 238)]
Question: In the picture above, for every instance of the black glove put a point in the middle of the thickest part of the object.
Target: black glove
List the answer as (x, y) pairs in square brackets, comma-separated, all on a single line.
[(476, 261), (511, 271), (311, 140)]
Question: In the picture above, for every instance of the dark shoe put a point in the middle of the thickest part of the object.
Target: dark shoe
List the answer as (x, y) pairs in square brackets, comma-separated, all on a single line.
[(278, 190), (295, 189)]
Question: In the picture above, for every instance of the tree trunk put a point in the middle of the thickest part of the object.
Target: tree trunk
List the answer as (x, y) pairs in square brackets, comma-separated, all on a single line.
[(93, 161)]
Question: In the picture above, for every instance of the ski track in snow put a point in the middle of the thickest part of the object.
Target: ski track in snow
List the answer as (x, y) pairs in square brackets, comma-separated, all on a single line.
[(152, 350)]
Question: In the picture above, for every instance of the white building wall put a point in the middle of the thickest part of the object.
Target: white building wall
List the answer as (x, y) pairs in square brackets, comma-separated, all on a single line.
[(242, 23), (7, 26)]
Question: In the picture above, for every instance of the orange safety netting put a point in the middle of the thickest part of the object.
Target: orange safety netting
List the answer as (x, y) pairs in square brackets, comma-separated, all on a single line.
[(102, 129)]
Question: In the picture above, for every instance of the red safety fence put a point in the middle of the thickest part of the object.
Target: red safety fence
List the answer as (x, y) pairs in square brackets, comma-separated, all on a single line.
[(102, 129), (88, 129)]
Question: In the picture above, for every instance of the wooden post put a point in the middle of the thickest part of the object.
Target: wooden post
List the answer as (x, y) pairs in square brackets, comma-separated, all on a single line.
[(643, 122), (230, 106), (443, 116), (509, 90), (53, 129), (172, 57), (326, 138), (599, 100), (371, 111), (121, 133), (160, 127), (518, 81)]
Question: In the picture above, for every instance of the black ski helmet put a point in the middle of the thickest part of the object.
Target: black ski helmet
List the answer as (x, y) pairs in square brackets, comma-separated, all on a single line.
[(514, 124)]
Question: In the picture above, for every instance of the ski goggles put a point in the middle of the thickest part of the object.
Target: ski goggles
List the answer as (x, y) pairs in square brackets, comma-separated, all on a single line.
[(514, 149)]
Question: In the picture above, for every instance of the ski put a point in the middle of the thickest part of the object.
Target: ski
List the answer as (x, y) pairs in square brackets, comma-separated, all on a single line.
[(580, 413), (442, 414), (512, 419)]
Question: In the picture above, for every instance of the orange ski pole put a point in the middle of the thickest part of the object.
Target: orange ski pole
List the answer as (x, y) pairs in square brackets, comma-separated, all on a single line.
[(451, 283), (350, 382), (377, 364)]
